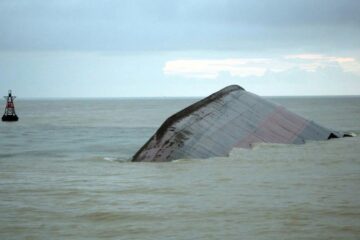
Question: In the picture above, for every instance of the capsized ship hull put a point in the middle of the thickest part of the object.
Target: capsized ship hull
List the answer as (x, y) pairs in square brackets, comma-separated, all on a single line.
[(229, 118)]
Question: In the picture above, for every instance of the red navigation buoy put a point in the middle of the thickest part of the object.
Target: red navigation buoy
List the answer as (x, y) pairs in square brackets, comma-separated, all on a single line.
[(9, 114)]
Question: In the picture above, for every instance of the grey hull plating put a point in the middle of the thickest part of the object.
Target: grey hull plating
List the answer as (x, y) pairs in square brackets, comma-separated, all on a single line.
[(231, 117)]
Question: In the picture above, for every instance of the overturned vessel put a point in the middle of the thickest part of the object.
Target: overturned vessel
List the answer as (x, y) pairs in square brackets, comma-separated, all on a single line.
[(9, 114), (229, 118)]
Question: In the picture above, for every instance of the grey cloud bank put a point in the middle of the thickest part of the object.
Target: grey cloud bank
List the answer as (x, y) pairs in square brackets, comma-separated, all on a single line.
[(161, 25), (134, 48)]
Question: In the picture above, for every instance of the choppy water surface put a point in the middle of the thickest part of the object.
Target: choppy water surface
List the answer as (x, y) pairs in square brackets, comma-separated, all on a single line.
[(64, 175)]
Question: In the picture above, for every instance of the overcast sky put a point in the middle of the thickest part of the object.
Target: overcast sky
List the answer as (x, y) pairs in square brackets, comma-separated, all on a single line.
[(137, 48)]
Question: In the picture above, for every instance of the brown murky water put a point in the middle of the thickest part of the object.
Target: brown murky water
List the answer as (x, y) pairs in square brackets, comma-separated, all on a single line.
[(64, 175)]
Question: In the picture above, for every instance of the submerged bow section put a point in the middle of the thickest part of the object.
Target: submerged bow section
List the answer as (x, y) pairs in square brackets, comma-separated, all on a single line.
[(231, 117)]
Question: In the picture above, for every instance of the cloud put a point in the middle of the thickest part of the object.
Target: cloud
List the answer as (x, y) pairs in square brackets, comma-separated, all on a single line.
[(244, 67), (329, 80), (161, 25), (206, 68), (312, 62), (320, 57)]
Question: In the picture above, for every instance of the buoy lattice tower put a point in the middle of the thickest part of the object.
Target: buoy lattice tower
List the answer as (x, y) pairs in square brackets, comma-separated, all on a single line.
[(9, 114)]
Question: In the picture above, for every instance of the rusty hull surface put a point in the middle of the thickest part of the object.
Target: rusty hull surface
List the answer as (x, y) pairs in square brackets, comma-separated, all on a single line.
[(229, 118)]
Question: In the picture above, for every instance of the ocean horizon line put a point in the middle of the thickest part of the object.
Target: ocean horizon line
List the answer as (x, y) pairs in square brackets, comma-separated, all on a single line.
[(176, 97)]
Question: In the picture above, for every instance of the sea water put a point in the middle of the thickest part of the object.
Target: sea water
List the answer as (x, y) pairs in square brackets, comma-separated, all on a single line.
[(65, 174)]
